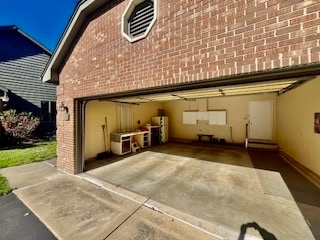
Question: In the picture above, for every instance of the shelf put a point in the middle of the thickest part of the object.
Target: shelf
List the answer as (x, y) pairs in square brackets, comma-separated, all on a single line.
[(142, 139)]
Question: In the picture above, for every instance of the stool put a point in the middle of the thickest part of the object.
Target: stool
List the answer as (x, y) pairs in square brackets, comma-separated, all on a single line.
[(135, 147)]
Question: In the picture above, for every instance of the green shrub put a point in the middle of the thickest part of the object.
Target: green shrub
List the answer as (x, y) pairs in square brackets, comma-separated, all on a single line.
[(18, 126), (4, 186)]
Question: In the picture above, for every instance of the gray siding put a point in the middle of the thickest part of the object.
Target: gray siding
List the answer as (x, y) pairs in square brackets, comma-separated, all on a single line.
[(22, 62), (22, 77)]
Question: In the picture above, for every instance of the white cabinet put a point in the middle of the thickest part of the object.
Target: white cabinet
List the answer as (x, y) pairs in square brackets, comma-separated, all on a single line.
[(120, 144), (217, 117), (189, 118), (202, 116)]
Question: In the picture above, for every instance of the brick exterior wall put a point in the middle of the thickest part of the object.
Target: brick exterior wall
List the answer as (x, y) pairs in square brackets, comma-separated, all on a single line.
[(190, 41)]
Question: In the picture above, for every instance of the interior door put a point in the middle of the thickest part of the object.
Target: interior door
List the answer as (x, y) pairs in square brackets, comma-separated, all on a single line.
[(261, 120)]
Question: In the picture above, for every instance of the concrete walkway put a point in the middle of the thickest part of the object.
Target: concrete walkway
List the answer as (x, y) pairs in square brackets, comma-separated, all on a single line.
[(169, 192)]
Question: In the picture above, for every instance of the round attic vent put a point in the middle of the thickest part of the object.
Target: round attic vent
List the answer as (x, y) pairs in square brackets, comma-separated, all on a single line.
[(138, 19)]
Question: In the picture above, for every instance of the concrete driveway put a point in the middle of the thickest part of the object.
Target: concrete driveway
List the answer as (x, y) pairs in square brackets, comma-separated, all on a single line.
[(215, 189), (172, 191), (73, 208)]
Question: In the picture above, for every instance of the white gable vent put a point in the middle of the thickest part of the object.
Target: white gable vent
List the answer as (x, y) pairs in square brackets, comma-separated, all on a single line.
[(138, 19)]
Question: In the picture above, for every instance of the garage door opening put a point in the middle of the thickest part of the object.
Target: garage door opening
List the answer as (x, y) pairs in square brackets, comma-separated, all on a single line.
[(114, 124)]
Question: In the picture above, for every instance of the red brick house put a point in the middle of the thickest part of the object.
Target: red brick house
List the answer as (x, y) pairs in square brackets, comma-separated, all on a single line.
[(119, 63)]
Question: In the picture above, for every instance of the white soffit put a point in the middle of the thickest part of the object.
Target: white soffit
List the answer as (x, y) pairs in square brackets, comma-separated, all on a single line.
[(278, 86)]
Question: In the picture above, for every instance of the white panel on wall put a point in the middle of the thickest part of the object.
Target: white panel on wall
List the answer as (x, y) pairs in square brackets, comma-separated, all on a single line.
[(218, 117), (202, 116), (189, 118)]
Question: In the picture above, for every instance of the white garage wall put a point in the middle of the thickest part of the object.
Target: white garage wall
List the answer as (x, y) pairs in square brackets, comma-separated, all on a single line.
[(295, 124), (237, 117), (145, 111), (96, 111)]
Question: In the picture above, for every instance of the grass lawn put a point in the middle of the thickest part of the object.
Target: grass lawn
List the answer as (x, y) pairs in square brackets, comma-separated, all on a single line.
[(25, 154)]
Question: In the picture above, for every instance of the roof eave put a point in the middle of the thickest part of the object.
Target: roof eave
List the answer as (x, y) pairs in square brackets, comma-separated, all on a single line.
[(34, 41), (16, 28), (83, 9)]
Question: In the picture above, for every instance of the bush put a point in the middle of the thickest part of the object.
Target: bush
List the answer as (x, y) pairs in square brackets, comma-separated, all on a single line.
[(4, 186), (19, 126)]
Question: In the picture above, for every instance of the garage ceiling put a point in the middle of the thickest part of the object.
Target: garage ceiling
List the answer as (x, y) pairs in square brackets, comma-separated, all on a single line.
[(278, 86)]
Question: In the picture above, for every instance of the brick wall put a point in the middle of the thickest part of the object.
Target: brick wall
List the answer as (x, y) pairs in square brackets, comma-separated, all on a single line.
[(191, 41)]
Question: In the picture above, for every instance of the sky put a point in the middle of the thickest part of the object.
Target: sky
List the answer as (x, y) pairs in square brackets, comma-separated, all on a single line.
[(42, 20)]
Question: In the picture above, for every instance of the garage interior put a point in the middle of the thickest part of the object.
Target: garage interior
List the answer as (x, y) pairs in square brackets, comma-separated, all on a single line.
[(215, 185), (186, 109)]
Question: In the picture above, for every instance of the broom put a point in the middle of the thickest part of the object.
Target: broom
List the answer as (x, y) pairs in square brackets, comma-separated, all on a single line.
[(106, 153)]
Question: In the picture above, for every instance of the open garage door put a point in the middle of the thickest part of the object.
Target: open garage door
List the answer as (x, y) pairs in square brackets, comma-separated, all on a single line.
[(277, 86)]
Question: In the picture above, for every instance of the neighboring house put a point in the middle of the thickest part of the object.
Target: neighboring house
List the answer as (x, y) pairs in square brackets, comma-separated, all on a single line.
[(22, 60), (212, 67)]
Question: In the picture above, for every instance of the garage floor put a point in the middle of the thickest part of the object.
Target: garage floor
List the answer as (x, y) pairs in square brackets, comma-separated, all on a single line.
[(230, 192)]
